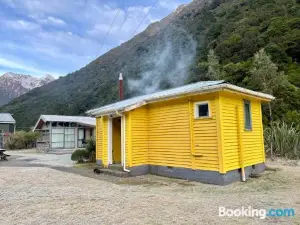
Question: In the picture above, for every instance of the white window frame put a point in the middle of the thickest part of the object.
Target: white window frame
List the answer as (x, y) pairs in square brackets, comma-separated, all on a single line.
[(250, 127), (196, 109)]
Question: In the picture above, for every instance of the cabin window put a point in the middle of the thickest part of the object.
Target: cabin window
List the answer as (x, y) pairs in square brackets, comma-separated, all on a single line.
[(202, 110), (247, 112)]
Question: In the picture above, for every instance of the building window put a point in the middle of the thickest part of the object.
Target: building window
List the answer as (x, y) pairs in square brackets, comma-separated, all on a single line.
[(247, 112), (202, 110)]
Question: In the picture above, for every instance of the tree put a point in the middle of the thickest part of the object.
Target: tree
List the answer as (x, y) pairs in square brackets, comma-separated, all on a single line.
[(214, 69), (265, 75)]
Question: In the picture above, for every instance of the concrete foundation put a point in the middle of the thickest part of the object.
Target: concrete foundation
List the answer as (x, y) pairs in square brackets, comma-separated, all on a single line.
[(204, 176)]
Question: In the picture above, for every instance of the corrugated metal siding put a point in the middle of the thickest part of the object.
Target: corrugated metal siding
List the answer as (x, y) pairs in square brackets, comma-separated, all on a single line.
[(252, 141), (139, 136), (99, 137)]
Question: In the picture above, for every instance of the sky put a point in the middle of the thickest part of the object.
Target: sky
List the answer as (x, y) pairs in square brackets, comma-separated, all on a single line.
[(57, 37)]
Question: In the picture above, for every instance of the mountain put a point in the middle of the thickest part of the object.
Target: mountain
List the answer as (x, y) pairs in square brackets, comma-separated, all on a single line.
[(172, 52), (13, 85)]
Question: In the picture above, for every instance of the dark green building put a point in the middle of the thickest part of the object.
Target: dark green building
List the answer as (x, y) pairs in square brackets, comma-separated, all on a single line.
[(7, 127), (7, 123)]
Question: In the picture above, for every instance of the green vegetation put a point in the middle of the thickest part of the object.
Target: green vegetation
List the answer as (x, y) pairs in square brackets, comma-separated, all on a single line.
[(80, 155), (22, 140), (255, 44), (91, 148), (86, 155), (285, 139), (250, 43)]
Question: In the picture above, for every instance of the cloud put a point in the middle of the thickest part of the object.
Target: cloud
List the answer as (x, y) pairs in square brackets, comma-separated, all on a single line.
[(126, 22), (24, 67), (40, 6), (50, 20), (21, 25), (54, 20), (67, 35), (170, 5), (98, 29)]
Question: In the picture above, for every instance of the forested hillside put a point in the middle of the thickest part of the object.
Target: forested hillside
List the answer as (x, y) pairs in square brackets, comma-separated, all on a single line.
[(251, 43)]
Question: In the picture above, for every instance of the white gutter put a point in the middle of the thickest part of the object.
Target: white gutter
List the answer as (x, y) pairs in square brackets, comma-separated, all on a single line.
[(124, 140)]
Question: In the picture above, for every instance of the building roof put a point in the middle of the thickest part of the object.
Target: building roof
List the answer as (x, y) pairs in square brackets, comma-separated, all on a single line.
[(82, 120), (191, 89), (6, 118)]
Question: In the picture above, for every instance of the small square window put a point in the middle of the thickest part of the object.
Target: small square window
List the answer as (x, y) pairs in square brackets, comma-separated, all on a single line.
[(201, 109), (247, 112)]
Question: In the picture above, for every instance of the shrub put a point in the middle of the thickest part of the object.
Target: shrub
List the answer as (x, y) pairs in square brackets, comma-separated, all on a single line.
[(92, 156), (91, 148), (21, 140), (285, 139), (30, 138), (91, 145), (80, 155)]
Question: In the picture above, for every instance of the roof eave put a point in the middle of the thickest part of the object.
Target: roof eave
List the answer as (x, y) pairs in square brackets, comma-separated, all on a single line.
[(205, 90), (37, 123), (86, 124), (262, 96)]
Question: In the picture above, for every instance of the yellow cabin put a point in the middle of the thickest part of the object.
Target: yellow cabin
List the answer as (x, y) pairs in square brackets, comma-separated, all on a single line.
[(210, 132)]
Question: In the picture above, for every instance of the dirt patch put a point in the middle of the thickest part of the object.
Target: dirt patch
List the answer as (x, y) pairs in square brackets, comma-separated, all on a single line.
[(283, 162), (152, 180)]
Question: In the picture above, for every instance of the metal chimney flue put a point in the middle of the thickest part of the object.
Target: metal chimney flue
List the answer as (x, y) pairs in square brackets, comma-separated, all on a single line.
[(121, 94)]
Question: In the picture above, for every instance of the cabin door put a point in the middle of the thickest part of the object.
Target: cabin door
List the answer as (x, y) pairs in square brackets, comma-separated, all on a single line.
[(116, 140)]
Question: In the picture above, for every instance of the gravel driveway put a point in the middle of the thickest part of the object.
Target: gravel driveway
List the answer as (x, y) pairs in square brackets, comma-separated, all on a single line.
[(40, 195), (34, 157)]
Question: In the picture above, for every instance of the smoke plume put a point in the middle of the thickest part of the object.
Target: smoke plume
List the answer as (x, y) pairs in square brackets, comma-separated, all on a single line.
[(165, 64)]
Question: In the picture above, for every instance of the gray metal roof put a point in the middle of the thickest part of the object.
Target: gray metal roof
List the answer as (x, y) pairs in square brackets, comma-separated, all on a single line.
[(195, 88), (83, 120), (6, 118)]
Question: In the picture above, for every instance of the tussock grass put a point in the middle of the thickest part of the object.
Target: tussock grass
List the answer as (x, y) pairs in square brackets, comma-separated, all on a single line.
[(285, 139)]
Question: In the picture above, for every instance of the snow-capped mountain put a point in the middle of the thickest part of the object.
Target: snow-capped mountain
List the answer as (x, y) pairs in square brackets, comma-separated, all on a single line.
[(13, 85)]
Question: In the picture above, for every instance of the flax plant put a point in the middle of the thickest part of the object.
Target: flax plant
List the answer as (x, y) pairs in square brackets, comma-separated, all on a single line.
[(285, 139)]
